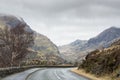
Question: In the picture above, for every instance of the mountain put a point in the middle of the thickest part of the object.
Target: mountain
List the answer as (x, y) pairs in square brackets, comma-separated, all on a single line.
[(42, 44), (105, 37), (71, 51), (79, 49), (104, 62), (44, 50)]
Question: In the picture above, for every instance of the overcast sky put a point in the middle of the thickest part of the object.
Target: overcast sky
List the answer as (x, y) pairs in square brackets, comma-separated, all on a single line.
[(64, 21)]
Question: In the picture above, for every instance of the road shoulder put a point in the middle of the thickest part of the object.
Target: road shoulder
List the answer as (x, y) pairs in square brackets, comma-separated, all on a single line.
[(87, 75)]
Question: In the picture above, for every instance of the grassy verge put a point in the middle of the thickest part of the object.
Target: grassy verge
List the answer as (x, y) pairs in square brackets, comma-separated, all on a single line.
[(89, 76)]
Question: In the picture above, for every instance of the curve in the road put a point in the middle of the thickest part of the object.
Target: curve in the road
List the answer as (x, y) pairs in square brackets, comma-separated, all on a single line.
[(46, 74), (21, 75), (55, 74)]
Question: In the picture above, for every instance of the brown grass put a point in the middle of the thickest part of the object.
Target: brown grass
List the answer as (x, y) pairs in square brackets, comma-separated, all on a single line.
[(88, 75)]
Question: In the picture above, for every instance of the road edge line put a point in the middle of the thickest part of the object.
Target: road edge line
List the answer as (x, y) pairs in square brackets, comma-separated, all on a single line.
[(32, 73)]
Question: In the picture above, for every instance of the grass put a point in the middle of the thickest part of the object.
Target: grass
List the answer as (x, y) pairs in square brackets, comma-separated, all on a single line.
[(90, 76)]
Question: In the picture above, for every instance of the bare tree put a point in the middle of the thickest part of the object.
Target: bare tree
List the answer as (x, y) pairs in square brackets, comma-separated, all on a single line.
[(15, 43)]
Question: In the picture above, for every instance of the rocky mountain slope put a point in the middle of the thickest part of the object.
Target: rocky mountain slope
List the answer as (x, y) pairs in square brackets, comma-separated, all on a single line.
[(44, 50), (71, 51), (42, 45), (104, 39)]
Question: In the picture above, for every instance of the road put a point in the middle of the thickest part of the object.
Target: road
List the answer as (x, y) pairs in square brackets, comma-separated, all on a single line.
[(46, 74), (21, 75)]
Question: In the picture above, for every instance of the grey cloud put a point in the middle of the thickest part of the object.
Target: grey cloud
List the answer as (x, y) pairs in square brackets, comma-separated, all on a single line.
[(70, 19)]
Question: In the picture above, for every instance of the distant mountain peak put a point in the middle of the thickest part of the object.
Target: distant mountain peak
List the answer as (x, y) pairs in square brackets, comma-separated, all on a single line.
[(81, 47), (78, 42), (113, 28), (106, 36)]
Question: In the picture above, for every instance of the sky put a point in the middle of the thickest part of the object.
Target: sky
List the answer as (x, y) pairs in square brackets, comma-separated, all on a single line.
[(64, 21)]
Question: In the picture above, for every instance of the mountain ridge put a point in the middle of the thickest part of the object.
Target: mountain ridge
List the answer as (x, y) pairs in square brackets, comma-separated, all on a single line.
[(104, 39)]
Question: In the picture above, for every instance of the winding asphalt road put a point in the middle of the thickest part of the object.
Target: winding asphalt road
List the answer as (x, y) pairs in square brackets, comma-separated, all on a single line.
[(46, 74)]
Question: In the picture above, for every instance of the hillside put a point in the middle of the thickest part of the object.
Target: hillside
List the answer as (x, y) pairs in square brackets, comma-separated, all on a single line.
[(42, 45), (71, 51), (104, 62), (43, 50), (104, 39)]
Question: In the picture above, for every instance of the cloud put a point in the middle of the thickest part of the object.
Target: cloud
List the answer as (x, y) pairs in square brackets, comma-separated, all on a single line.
[(63, 21)]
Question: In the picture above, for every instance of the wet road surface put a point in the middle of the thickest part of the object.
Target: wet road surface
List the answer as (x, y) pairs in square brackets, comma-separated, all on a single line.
[(46, 74)]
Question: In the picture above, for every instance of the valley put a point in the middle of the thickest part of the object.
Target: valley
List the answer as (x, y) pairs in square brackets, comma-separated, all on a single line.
[(21, 47)]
